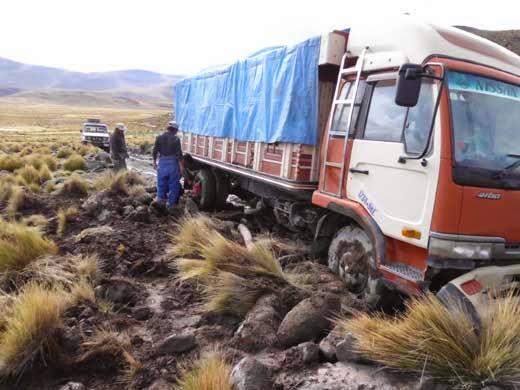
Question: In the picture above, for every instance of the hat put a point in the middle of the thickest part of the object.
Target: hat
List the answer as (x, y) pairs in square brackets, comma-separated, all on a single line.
[(120, 126), (173, 125)]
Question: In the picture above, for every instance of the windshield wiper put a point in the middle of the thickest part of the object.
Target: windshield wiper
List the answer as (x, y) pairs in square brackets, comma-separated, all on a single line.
[(510, 167)]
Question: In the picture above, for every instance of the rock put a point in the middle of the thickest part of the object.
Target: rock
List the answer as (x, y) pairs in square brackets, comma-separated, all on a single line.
[(86, 234), (249, 374), (190, 207), (87, 313), (427, 383), (142, 313), (258, 330), (160, 384), (308, 319), (310, 352), (151, 189), (116, 290), (104, 215), (145, 199), (346, 351), (96, 202), (95, 166), (176, 344), (127, 210), (140, 214), (328, 344), (73, 386), (103, 156)]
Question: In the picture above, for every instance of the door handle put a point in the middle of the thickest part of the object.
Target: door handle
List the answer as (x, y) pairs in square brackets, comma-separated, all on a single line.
[(363, 172)]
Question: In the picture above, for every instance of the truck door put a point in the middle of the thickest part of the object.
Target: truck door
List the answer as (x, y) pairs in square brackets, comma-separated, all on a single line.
[(399, 195)]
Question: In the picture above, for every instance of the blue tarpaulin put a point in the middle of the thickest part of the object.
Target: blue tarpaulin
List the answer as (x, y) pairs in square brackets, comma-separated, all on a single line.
[(270, 96)]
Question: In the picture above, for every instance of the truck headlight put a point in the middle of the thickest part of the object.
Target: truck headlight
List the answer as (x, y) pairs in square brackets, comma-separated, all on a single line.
[(460, 249)]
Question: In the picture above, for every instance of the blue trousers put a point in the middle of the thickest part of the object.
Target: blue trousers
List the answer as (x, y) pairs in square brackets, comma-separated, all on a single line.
[(168, 176)]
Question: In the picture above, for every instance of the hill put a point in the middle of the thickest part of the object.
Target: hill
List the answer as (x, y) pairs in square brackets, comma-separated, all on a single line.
[(126, 88), (510, 39)]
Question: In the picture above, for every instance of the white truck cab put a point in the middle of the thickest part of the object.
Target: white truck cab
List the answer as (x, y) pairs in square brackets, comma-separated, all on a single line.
[(95, 133)]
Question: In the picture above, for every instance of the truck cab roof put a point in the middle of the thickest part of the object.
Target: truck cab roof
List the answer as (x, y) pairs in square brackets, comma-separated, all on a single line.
[(401, 39)]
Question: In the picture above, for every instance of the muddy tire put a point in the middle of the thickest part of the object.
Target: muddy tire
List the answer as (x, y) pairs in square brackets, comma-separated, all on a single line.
[(207, 198), (351, 256), (222, 190)]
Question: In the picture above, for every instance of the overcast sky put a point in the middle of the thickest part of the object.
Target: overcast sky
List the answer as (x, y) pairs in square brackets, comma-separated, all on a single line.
[(181, 37)]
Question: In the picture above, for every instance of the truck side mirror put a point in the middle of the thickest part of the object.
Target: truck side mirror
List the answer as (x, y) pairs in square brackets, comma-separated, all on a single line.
[(409, 85)]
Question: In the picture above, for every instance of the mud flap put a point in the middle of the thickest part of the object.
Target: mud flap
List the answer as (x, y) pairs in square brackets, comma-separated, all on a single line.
[(454, 299)]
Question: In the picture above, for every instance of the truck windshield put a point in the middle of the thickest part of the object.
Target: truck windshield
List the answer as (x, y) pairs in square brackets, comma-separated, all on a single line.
[(486, 124), (95, 129)]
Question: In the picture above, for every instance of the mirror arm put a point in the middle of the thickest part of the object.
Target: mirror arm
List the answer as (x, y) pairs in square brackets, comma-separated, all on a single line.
[(424, 162)]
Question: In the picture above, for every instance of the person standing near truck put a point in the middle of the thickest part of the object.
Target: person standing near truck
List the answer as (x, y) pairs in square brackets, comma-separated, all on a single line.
[(169, 151), (118, 149)]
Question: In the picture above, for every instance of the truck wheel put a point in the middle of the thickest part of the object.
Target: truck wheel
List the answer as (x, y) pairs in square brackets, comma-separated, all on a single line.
[(206, 189), (222, 190), (351, 256)]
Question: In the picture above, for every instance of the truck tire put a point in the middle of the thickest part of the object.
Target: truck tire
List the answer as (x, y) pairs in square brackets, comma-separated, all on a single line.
[(222, 190), (207, 196), (351, 257)]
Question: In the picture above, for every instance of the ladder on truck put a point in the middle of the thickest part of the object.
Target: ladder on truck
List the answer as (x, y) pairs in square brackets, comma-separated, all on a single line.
[(337, 102)]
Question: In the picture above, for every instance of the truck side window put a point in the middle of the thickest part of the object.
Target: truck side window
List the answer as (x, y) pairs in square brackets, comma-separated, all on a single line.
[(385, 119), (419, 119), (340, 119)]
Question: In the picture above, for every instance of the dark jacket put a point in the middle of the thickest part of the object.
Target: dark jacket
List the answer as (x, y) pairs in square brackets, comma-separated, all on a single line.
[(118, 145), (167, 145)]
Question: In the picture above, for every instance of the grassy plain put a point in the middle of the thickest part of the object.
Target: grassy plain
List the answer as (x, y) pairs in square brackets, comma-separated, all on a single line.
[(44, 125)]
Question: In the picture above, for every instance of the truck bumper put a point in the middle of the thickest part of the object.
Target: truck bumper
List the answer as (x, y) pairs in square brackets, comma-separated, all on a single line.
[(476, 288)]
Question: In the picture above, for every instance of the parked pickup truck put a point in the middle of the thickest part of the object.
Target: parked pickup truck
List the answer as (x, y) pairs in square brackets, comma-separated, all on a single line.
[(95, 133)]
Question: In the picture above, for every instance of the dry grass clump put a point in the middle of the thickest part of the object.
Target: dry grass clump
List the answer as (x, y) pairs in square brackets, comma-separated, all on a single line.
[(209, 372), (45, 173), (17, 198), (113, 344), (75, 185), (125, 183), (29, 174), (232, 276), (11, 162), (69, 271), (21, 244), (64, 217), (50, 161), (74, 163), (63, 152), (29, 328), (36, 220), (6, 190), (430, 339)]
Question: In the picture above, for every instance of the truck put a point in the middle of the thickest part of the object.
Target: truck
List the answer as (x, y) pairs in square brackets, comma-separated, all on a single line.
[(411, 184), (95, 133)]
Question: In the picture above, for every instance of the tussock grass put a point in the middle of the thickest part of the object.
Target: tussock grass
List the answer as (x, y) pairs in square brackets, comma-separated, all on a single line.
[(15, 201), (63, 152), (64, 217), (107, 342), (50, 161), (66, 271), (29, 174), (36, 220), (126, 183), (232, 277), (11, 162), (6, 190), (191, 235), (75, 185), (74, 163), (21, 244), (29, 328), (44, 173), (209, 372), (430, 339)]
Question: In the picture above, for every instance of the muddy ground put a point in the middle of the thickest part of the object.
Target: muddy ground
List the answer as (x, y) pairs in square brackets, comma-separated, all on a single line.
[(163, 315)]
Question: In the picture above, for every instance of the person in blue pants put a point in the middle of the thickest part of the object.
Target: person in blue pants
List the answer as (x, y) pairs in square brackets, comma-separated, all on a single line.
[(168, 152)]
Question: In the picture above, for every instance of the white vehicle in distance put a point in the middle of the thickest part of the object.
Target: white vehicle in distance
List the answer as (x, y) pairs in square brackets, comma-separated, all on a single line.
[(95, 133)]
